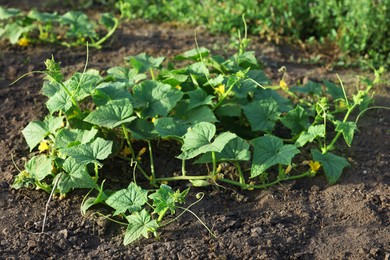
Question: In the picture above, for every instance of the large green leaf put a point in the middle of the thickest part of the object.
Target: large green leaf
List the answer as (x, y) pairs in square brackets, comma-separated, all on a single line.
[(309, 88), (198, 97), (70, 137), (39, 167), (296, 120), (125, 75), (168, 127), (79, 25), (347, 129), (262, 115), (6, 13), (194, 54), (112, 114), (155, 98), (130, 199), (142, 129), (110, 91), (333, 165), (140, 224), (163, 200), (192, 116), (236, 149), (197, 140), (81, 85), (99, 149), (142, 62), (312, 133), (335, 91), (36, 131), (75, 176), (268, 151)]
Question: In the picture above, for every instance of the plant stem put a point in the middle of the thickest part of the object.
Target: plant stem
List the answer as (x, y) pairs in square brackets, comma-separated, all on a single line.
[(240, 174), (182, 178), (152, 73), (183, 167), (214, 158), (266, 185), (160, 217), (132, 152), (334, 140), (108, 35), (224, 96), (151, 159)]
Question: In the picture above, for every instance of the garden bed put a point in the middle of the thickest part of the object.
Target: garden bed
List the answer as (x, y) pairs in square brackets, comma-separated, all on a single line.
[(301, 219)]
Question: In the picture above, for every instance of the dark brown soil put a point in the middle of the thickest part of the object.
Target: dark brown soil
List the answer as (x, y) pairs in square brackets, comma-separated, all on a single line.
[(306, 219)]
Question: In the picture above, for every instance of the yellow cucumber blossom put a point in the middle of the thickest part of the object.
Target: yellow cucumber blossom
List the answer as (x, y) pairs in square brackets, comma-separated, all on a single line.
[(126, 151), (220, 89), (283, 84), (43, 146), (178, 87), (141, 152), (314, 166), (153, 120), (24, 42)]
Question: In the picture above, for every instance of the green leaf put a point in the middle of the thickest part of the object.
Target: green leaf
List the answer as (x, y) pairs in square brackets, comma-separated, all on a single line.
[(70, 137), (199, 97), (229, 109), (162, 200), (254, 79), (312, 133), (168, 127), (60, 101), (13, 31), (197, 140), (112, 114), (347, 129), (6, 13), (284, 104), (236, 149), (335, 91), (101, 197), (75, 176), (108, 20), (309, 88), (140, 224), (172, 78), (132, 199), (268, 151), (99, 149), (143, 62), (142, 129), (262, 115), (79, 25), (125, 75), (333, 165), (198, 69), (43, 16), (194, 54), (110, 91), (81, 85), (39, 167), (155, 98), (36, 131), (296, 120)]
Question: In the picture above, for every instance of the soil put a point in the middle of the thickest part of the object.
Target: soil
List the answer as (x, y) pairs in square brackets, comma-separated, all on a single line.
[(306, 219)]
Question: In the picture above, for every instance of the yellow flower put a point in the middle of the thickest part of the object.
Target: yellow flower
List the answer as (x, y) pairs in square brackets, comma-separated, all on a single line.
[(288, 169), (43, 146), (141, 152), (220, 89), (283, 84), (153, 120), (23, 42), (126, 151), (314, 166), (178, 87)]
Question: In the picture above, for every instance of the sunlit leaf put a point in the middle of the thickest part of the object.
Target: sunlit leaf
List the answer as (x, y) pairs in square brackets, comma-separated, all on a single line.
[(333, 165), (262, 115), (140, 224), (347, 129), (312, 133)]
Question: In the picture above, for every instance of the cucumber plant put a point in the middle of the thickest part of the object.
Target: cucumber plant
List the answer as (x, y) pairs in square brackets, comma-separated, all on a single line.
[(218, 110)]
